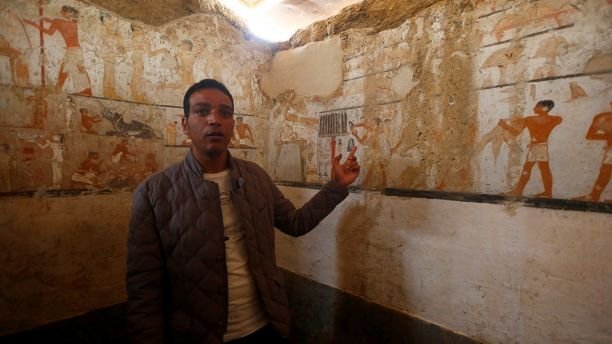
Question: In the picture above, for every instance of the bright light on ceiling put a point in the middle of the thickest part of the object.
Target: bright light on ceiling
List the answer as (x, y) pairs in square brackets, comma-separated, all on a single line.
[(256, 16)]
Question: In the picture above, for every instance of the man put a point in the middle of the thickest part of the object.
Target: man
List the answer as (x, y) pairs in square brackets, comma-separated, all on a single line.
[(201, 262), (601, 129), (375, 136), (57, 147), (243, 132), (73, 64), (88, 121), (540, 127)]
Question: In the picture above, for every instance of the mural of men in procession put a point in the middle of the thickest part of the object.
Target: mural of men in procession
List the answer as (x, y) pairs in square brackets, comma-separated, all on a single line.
[(73, 64)]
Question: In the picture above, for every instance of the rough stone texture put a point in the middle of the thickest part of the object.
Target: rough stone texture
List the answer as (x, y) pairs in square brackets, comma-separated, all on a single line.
[(499, 274), (60, 257), (424, 98), (373, 15), (161, 12), (111, 119)]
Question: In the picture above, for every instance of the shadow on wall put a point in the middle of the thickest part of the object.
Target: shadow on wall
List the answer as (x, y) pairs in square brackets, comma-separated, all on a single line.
[(369, 265)]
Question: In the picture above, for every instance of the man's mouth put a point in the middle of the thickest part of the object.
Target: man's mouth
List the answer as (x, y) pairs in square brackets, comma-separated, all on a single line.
[(215, 134)]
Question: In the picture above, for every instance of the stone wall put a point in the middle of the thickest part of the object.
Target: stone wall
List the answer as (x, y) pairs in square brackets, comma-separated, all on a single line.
[(421, 94), (496, 273), (441, 105), (90, 105), (445, 99), (90, 100)]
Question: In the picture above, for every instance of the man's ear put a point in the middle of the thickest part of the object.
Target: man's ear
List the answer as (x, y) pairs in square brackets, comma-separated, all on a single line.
[(185, 125)]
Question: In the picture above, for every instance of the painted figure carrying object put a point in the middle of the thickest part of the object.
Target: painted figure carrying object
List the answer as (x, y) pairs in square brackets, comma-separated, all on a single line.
[(540, 127), (201, 264), (73, 63)]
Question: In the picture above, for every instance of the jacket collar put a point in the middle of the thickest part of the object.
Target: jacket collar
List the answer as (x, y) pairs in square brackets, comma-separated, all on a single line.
[(234, 165)]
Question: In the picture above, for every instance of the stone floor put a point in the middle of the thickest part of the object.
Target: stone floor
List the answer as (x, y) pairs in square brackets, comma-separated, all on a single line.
[(321, 314)]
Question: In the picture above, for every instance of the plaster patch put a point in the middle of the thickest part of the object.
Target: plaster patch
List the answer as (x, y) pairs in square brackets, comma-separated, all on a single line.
[(404, 82), (312, 70)]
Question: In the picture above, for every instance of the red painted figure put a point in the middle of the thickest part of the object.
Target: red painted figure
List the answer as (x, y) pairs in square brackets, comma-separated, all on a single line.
[(540, 127)]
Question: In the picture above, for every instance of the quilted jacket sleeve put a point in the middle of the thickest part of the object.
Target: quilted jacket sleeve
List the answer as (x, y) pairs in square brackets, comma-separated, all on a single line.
[(144, 273), (296, 222)]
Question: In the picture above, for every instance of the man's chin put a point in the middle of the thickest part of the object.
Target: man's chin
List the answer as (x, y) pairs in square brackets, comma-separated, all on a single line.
[(214, 152)]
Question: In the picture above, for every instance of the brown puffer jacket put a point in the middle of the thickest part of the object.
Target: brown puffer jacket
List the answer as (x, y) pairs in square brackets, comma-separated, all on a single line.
[(176, 269)]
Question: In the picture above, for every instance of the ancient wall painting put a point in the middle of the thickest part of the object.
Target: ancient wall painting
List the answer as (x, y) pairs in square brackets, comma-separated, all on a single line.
[(528, 17), (72, 62), (8, 164), (533, 51), (294, 130), (243, 132), (56, 145), (601, 130), (540, 126), (247, 139), (18, 72), (564, 155), (22, 108), (116, 118)]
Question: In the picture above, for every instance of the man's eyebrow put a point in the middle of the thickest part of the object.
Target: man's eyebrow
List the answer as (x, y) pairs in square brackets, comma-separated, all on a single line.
[(200, 104), (203, 103)]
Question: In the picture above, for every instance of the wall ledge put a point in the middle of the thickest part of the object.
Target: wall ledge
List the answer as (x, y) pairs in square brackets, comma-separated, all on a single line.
[(547, 203)]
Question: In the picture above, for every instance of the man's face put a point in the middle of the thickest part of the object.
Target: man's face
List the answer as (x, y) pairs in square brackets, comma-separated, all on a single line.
[(67, 14), (211, 121), (540, 110)]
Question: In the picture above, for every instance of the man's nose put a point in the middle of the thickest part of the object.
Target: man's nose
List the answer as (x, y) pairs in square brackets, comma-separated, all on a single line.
[(214, 116)]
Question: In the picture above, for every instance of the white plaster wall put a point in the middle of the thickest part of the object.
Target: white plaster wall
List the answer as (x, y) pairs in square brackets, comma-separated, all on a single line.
[(312, 70), (498, 273)]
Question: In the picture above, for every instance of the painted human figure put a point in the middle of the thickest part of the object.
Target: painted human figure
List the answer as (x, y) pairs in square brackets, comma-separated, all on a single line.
[(243, 132), (171, 133), (57, 147), (112, 49), (88, 121), (121, 153), (379, 152), (90, 170), (141, 52), (7, 163), (73, 63), (29, 173), (186, 60), (350, 145), (19, 68), (150, 165), (601, 129), (540, 127)]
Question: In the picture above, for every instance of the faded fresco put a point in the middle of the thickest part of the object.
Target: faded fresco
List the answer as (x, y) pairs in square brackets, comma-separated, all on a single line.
[(509, 98), (89, 100)]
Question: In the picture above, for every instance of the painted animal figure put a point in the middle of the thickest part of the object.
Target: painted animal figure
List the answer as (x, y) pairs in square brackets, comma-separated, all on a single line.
[(538, 15), (132, 128)]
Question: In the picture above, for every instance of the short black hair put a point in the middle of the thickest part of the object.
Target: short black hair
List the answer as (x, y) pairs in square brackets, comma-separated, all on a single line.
[(201, 85), (70, 9), (549, 104)]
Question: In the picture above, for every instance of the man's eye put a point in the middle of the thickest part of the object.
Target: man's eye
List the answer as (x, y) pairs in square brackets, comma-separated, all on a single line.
[(227, 113), (203, 111)]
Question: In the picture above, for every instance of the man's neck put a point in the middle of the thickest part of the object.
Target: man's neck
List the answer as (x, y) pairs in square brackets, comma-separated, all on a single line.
[(212, 163)]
